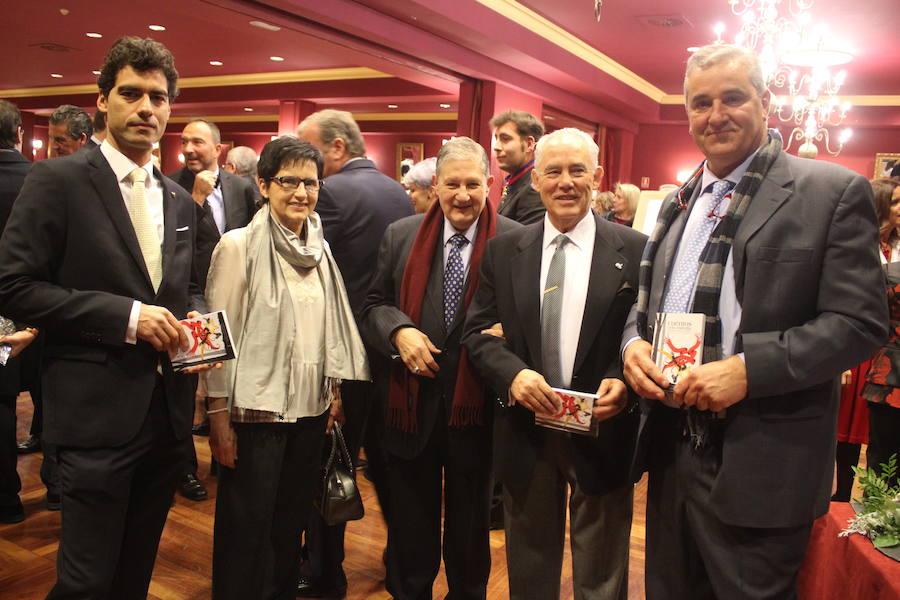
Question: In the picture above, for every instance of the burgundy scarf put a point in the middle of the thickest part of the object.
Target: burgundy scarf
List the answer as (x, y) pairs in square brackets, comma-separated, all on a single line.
[(468, 398)]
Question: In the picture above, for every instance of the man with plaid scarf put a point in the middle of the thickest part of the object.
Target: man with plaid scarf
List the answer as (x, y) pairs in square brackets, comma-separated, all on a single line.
[(780, 255)]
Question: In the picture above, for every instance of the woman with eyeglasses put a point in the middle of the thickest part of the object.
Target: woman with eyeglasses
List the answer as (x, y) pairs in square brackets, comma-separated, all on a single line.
[(269, 409)]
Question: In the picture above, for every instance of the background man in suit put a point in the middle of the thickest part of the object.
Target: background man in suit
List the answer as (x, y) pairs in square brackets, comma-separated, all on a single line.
[(515, 134), (99, 127), (108, 303), (356, 205), (241, 161), (786, 270), (224, 202), (69, 129), (426, 274), (575, 274), (15, 375)]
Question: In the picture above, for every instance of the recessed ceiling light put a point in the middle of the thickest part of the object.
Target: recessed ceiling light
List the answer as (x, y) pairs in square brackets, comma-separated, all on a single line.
[(216, 63), (277, 58), (392, 106), (248, 109), (156, 27), (94, 35), (266, 26), (443, 105), (95, 72), (55, 75)]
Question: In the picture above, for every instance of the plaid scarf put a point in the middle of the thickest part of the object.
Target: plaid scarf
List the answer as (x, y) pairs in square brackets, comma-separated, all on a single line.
[(712, 261)]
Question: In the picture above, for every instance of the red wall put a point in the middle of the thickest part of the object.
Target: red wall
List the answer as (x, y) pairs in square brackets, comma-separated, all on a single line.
[(661, 151)]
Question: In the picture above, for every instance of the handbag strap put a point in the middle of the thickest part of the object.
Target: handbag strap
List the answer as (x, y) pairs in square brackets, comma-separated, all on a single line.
[(338, 438)]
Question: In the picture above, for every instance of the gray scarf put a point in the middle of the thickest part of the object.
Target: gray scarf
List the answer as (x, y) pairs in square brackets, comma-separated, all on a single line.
[(263, 373)]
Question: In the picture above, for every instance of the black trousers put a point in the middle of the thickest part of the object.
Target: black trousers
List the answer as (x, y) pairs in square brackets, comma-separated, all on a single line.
[(325, 544), (454, 467), (10, 484), (691, 554), (884, 436), (114, 505), (262, 507)]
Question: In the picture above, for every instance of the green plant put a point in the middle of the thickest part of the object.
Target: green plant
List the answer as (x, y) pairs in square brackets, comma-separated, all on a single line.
[(880, 519)]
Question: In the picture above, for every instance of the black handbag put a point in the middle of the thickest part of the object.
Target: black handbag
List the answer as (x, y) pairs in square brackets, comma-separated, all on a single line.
[(340, 500)]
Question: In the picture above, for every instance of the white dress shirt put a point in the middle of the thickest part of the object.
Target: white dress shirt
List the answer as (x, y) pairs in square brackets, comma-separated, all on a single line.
[(217, 204), (579, 254), (122, 166)]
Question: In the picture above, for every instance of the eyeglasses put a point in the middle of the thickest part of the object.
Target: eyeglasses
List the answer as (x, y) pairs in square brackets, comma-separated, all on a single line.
[(289, 183)]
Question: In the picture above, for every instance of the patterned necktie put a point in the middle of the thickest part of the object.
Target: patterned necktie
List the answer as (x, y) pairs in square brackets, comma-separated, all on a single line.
[(551, 312), (684, 274), (145, 228), (454, 276)]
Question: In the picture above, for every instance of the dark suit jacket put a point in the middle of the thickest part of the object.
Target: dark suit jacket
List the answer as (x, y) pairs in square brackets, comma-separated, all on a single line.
[(356, 205), (509, 292), (240, 206), (523, 202), (382, 317), (807, 275), (70, 264)]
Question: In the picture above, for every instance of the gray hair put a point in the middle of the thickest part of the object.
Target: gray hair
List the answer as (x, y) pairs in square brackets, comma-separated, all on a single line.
[(631, 193), (244, 160), (557, 136), (716, 54), (334, 124), (76, 120), (420, 174), (462, 148)]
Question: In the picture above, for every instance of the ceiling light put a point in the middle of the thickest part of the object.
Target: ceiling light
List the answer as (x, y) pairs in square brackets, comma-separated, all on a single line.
[(55, 75), (392, 106), (94, 35), (95, 72), (266, 26), (156, 27), (248, 109), (277, 58), (693, 49), (444, 105), (216, 63)]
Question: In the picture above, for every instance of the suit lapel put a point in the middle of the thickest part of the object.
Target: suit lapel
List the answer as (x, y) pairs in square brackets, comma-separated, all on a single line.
[(104, 181), (604, 282), (170, 223), (527, 285), (229, 201)]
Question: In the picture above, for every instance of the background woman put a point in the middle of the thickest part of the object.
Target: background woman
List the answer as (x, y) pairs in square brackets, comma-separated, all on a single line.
[(296, 340), (624, 204), (419, 183)]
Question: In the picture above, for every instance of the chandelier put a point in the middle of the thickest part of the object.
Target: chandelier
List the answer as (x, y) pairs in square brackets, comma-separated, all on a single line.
[(797, 61)]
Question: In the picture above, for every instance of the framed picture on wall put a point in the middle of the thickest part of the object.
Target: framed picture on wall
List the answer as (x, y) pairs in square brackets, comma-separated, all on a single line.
[(408, 153), (884, 163)]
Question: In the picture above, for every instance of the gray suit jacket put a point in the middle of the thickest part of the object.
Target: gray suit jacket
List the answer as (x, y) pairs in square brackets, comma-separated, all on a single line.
[(808, 279)]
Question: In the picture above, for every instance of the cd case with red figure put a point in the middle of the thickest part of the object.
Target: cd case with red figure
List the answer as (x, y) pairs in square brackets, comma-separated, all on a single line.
[(574, 414), (209, 341), (678, 344)]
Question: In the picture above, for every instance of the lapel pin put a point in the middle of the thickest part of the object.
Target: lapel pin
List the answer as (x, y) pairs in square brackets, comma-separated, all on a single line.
[(619, 266)]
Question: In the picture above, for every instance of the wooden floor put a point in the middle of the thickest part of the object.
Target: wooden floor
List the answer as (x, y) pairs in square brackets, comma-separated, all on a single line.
[(183, 566)]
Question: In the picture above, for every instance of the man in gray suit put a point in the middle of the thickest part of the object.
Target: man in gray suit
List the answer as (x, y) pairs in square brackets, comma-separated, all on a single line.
[(780, 255)]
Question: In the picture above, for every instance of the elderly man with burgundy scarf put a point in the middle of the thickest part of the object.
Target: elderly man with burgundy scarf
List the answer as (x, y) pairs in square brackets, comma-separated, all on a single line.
[(437, 412)]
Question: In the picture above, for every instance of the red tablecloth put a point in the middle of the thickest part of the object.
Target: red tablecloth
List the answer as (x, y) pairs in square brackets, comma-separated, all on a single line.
[(847, 568)]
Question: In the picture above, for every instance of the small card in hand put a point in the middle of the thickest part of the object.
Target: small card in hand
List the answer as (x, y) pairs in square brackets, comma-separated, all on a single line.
[(210, 341), (574, 414), (678, 344)]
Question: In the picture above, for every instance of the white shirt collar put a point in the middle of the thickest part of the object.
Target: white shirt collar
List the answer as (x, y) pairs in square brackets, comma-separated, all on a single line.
[(450, 231), (122, 166), (734, 177), (581, 235)]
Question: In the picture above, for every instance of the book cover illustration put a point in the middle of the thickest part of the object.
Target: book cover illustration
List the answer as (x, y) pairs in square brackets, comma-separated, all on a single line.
[(678, 344), (210, 341), (574, 414)]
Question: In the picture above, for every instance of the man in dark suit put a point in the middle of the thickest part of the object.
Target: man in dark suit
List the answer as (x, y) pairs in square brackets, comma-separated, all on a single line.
[(560, 290), (356, 205), (515, 134), (98, 123), (69, 130), (15, 375), (781, 256), (426, 274), (241, 161), (224, 202), (108, 303)]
